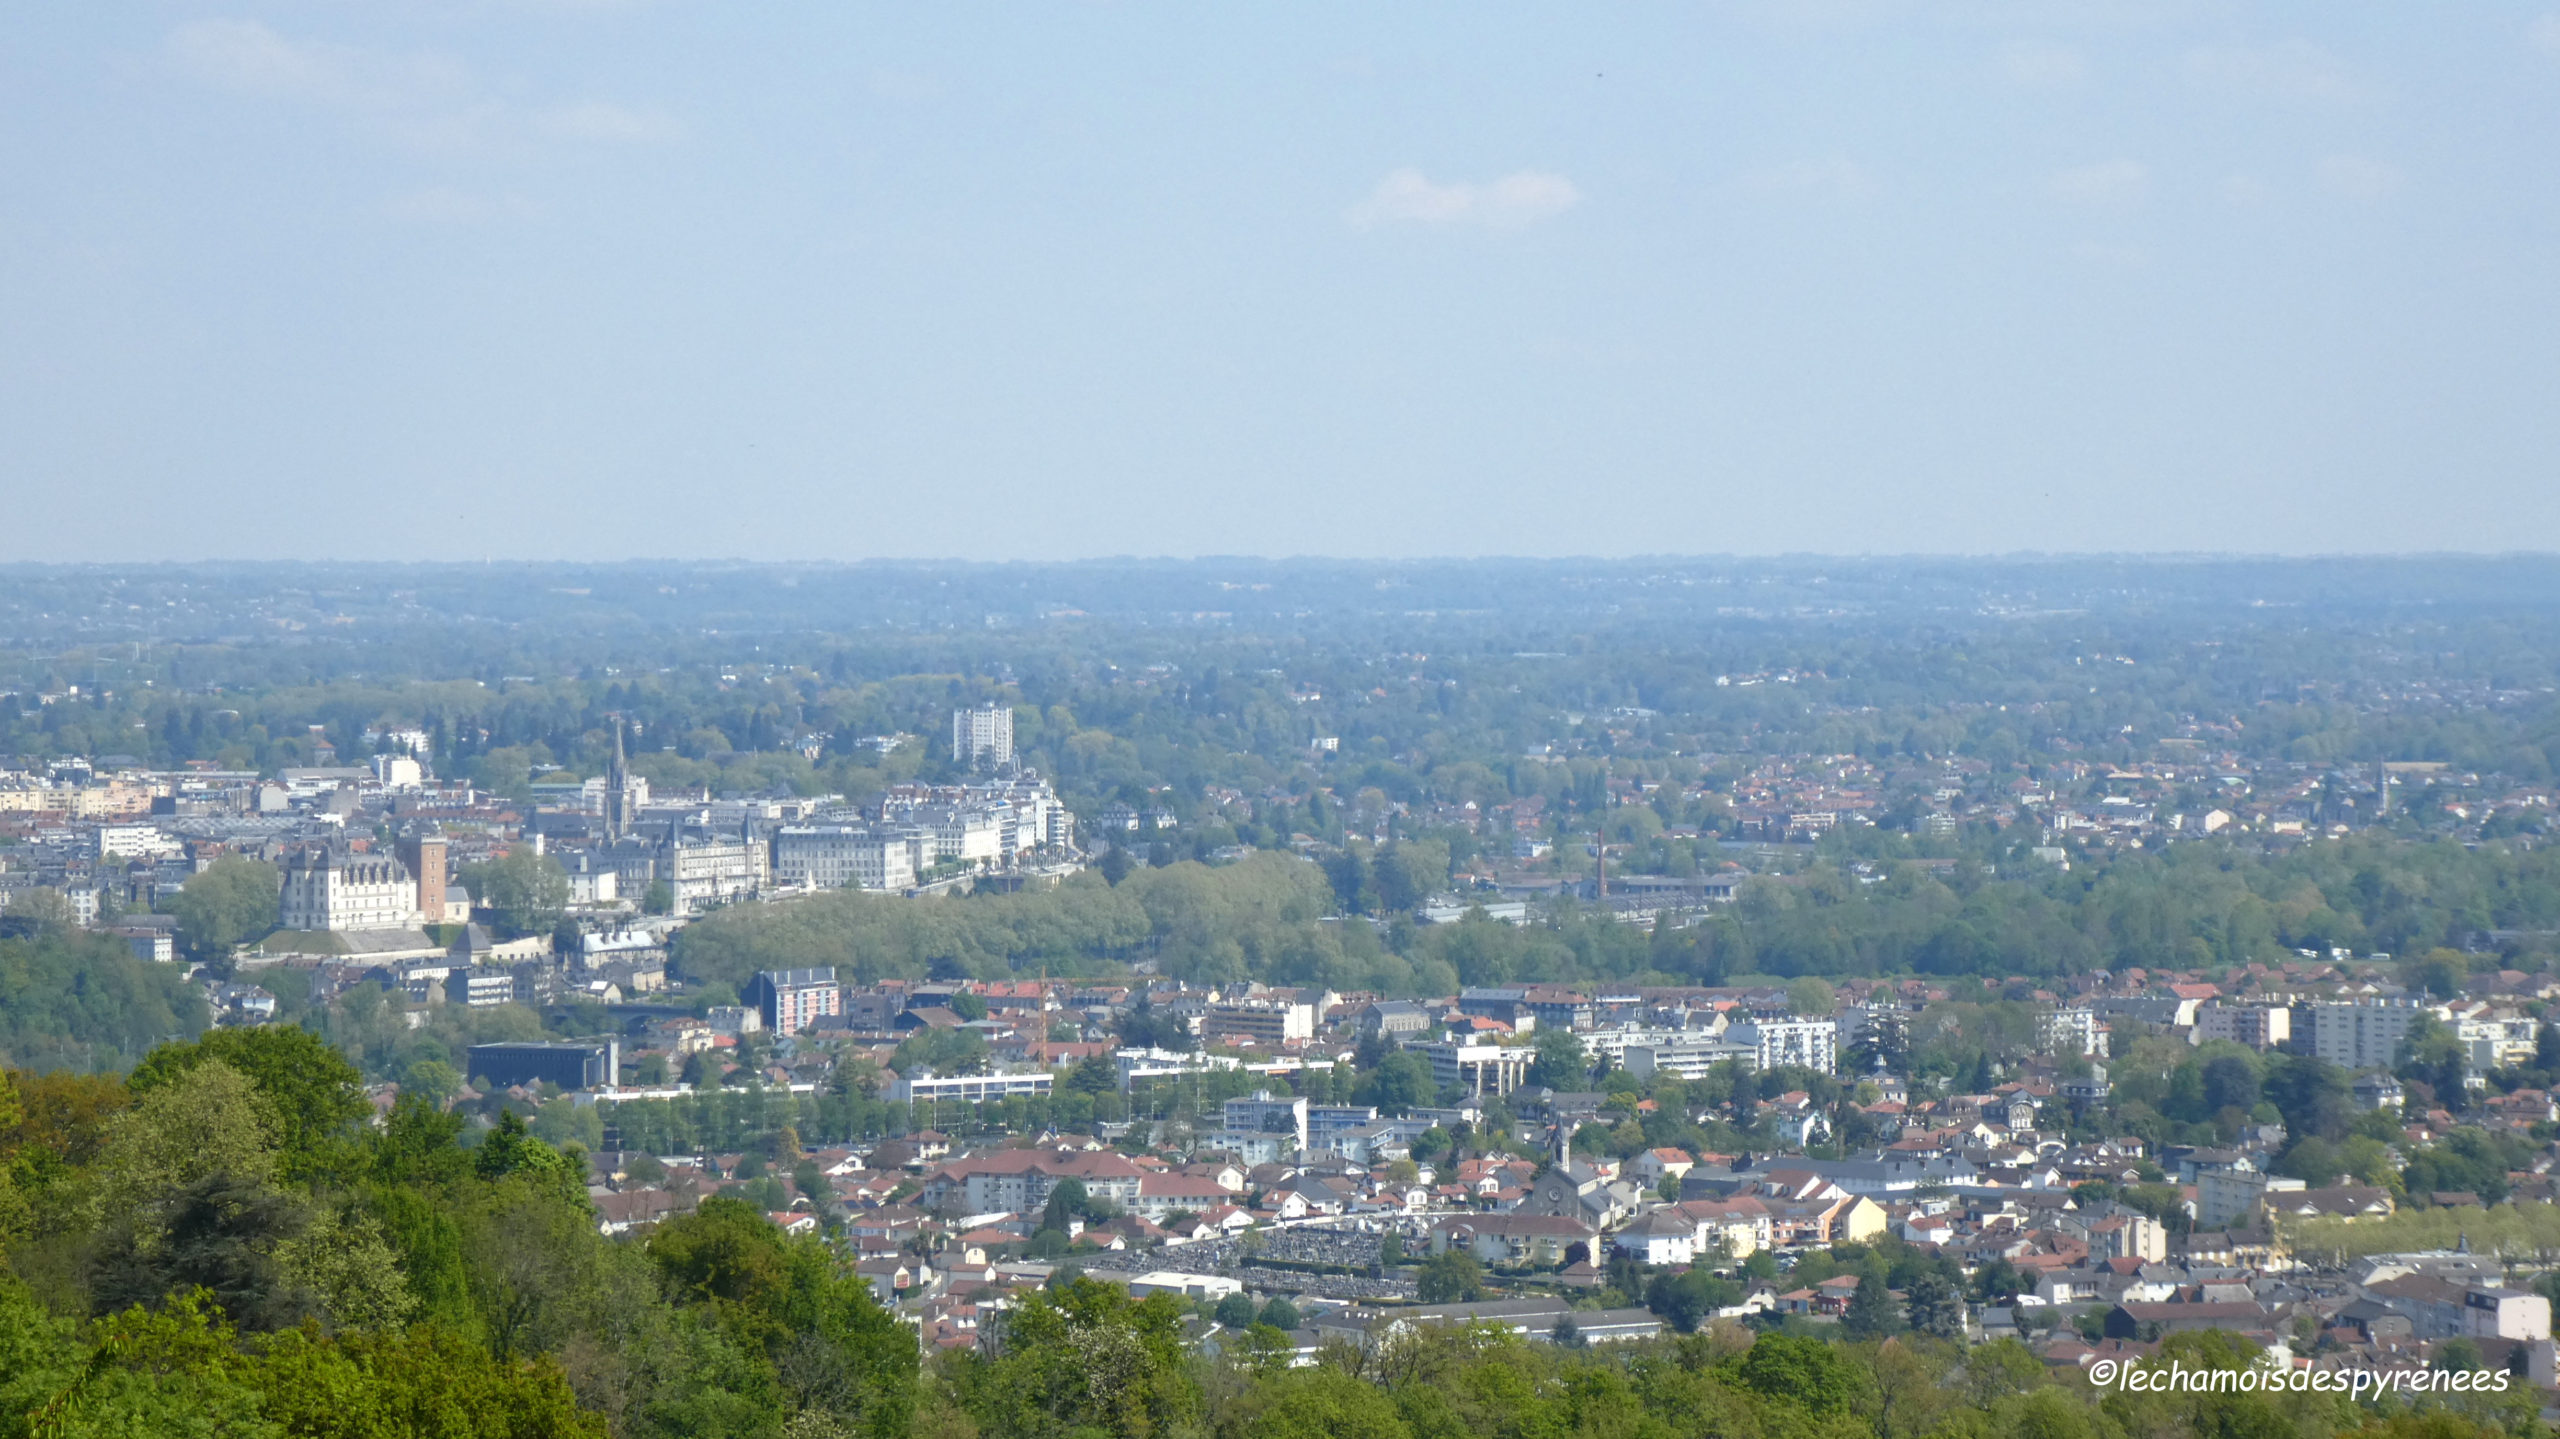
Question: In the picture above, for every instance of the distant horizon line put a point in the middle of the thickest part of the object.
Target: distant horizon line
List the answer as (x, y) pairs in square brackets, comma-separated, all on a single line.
[(2217, 557)]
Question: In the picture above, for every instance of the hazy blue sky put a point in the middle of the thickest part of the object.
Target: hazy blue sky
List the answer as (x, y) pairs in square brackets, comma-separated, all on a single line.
[(660, 278)]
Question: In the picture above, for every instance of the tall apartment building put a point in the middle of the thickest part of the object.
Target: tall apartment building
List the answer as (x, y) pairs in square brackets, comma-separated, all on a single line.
[(982, 737), (792, 999), (2068, 1032), (329, 888), (2257, 1026), (1800, 1043), (2362, 1035)]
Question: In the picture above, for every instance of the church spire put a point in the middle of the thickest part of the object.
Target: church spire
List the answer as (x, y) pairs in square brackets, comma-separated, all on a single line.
[(616, 787)]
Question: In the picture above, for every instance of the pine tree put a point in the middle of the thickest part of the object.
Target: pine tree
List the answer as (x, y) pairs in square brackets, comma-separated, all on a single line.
[(1934, 1307), (1871, 1311)]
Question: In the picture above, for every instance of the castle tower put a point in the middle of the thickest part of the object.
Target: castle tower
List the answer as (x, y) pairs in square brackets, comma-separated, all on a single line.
[(424, 854)]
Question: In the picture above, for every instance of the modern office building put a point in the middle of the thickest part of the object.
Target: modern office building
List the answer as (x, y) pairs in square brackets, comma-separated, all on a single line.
[(595, 1064)]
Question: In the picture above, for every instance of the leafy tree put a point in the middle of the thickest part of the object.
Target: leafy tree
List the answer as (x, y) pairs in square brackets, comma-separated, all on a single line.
[(2434, 1056), (1561, 1063), (226, 904), (1067, 1201), (2467, 1161), (41, 911), (2230, 1082), (1812, 997), (944, 1051), (829, 1345), (1999, 1370), (1083, 1357), (1799, 1370), (220, 1233), (1279, 1314), (2458, 1353), (198, 1123), (511, 1151), (1406, 873), (2313, 1095), (2312, 1160), (527, 893), (1453, 1277), (1686, 1299), (1235, 1311), (432, 1080), (83, 1001), (311, 1092), (1398, 1085), (1094, 1075)]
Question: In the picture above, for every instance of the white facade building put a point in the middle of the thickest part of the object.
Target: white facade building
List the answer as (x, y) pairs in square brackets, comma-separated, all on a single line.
[(703, 873), (831, 856), (1689, 1056), (925, 1087), (982, 736), (965, 834), (2068, 1032), (331, 889), (2491, 1043), (138, 841), (1801, 1043), (1479, 1069)]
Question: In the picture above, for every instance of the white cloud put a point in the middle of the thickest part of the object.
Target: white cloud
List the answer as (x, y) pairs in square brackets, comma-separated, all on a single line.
[(2294, 70), (2107, 185), (597, 120), (1835, 178), (2358, 178), (248, 58), (1521, 198), (424, 102), (2042, 66), (2544, 34)]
